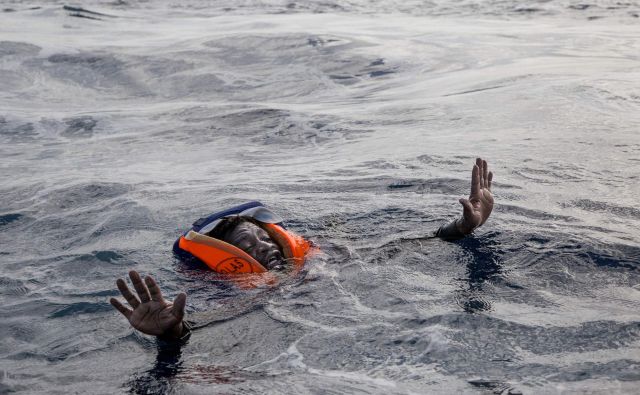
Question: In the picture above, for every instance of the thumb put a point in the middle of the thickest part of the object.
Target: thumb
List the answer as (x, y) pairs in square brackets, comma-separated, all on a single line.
[(178, 305), (467, 208)]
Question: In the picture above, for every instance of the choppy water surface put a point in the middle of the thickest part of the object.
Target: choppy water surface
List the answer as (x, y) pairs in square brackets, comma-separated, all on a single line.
[(359, 122)]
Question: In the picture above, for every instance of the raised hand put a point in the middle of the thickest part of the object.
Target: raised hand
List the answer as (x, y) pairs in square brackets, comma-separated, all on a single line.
[(478, 207), (151, 314)]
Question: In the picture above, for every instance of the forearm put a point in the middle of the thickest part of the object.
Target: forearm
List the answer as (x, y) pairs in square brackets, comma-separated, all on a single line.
[(454, 230)]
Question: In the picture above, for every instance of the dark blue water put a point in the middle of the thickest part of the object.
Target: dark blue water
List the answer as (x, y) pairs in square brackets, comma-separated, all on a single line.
[(358, 122)]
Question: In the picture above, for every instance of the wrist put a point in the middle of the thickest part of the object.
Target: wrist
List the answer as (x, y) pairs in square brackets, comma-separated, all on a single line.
[(178, 335), (174, 333), (463, 226)]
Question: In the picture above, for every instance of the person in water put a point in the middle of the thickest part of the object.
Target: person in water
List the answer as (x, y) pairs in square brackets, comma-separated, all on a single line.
[(151, 314)]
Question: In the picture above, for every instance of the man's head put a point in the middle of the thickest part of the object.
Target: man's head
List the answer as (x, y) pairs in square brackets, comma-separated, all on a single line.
[(252, 239)]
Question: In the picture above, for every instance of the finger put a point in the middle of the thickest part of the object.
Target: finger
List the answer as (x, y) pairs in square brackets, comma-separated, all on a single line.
[(479, 164), (156, 294), (178, 305), (467, 208), (490, 180), (120, 307), (485, 174), (127, 294), (475, 181), (141, 289)]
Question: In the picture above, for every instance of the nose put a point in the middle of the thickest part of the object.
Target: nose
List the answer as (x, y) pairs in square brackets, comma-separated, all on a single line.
[(263, 248)]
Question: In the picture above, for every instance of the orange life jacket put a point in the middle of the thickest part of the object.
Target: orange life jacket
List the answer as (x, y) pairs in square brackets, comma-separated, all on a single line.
[(223, 257)]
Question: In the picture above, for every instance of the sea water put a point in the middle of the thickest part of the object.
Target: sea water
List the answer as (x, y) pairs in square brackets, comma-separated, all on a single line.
[(358, 121)]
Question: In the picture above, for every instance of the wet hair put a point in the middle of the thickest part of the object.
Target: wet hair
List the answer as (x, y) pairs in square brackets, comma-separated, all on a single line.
[(224, 229)]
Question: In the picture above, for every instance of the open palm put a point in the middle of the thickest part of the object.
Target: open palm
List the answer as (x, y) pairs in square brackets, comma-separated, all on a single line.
[(478, 207), (151, 314)]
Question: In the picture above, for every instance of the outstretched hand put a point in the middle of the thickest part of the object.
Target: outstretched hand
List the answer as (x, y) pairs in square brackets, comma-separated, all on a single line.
[(478, 207), (151, 314)]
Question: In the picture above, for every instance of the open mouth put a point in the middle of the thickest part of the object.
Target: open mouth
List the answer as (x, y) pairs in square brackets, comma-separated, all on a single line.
[(274, 261)]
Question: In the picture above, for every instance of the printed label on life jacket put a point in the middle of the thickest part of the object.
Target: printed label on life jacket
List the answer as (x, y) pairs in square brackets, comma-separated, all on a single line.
[(233, 265)]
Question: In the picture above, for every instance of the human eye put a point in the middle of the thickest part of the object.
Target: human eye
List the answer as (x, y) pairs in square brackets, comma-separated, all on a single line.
[(242, 242), (246, 241), (264, 236)]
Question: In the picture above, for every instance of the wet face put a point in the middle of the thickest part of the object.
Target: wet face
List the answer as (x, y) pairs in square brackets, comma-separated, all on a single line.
[(256, 242)]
